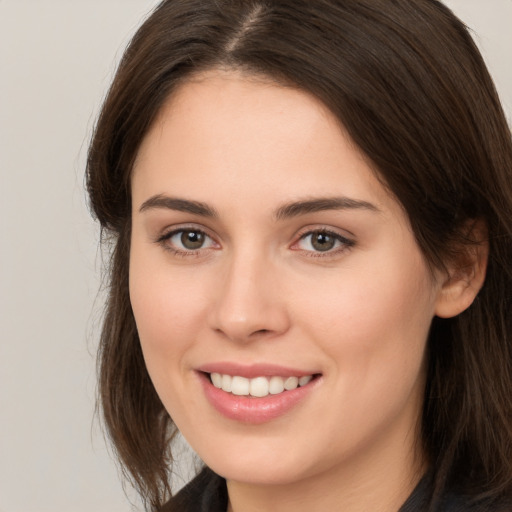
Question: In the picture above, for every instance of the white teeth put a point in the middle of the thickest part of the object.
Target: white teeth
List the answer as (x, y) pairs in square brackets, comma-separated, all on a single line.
[(216, 380), (291, 383), (239, 386), (259, 386), (304, 380), (276, 385), (226, 383)]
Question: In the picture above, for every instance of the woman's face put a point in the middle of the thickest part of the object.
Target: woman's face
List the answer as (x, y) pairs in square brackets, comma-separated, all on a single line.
[(263, 250)]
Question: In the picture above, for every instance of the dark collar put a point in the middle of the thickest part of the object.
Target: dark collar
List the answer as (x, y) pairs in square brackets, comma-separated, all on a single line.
[(207, 492)]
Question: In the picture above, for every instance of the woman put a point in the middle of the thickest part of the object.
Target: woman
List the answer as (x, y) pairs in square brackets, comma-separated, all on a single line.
[(310, 210)]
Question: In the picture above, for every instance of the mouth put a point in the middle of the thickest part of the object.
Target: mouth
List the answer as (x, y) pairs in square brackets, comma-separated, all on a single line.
[(260, 395), (258, 387)]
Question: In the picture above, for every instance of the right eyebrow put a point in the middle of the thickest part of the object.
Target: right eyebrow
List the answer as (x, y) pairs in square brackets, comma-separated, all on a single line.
[(320, 204), (178, 204)]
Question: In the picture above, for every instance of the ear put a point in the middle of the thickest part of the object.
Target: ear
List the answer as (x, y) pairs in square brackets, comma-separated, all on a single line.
[(466, 273)]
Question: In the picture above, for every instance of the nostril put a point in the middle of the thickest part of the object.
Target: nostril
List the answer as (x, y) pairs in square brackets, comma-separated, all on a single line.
[(260, 333)]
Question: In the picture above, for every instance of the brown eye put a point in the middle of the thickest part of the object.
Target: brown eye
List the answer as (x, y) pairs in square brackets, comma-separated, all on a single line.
[(186, 240), (192, 240), (322, 241)]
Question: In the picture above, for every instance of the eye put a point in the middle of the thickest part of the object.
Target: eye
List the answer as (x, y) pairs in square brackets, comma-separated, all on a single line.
[(186, 240), (323, 241)]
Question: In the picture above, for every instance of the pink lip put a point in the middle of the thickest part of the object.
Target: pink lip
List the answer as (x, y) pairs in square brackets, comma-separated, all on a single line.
[(253, 370), (252, 410)]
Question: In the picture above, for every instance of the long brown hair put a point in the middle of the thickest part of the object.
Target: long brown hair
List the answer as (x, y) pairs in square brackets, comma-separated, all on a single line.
[(406, 80)]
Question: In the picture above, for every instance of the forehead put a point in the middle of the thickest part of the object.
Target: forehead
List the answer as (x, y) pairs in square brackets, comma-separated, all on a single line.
[(226, 131), (229, 106)]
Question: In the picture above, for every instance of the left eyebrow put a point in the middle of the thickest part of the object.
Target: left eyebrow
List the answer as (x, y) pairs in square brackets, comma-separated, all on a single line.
[(296, 208), (178, 204)]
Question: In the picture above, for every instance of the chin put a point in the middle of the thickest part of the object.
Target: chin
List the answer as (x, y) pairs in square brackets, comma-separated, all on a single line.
[(258, 473), (261, 460)]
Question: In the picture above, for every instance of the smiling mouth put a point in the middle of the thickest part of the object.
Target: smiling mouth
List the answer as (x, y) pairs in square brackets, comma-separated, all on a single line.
[(258, 387)]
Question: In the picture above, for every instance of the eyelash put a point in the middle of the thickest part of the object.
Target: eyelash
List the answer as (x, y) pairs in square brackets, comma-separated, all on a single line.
[(345, 244)]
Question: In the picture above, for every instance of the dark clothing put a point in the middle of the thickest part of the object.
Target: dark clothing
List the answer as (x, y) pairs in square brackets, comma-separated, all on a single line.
[(208, 493)]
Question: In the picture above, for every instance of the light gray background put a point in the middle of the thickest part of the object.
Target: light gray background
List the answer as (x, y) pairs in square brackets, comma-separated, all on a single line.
[(56, 60)]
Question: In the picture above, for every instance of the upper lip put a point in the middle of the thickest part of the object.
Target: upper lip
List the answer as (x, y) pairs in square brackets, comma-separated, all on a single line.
[(251, 371)]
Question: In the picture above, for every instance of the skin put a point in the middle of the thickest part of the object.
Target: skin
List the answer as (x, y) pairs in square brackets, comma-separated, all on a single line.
[(257, 291)]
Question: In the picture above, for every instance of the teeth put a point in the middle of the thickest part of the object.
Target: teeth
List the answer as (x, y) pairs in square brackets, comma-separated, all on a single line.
[(304, 380), (291, 383), (216, 380), (259, 386), (276, 385), (226, 382), (239, 386)]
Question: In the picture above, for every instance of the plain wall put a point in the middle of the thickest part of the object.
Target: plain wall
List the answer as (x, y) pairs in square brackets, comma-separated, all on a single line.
[(56, 60)]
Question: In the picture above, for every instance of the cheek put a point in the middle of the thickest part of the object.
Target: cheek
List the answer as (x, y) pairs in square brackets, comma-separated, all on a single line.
[(373, 324), (167, 310), (365, 306), (168, 316)]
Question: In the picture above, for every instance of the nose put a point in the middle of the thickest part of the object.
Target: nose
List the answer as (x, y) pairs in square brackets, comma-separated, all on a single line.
[(248, 304)]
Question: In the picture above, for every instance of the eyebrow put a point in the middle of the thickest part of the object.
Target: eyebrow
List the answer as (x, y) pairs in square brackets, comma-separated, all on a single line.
[(180, 205), (286, 211), (296, 208)]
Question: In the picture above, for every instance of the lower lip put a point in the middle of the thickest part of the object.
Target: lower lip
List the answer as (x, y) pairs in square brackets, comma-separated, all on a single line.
[(248, 409)]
